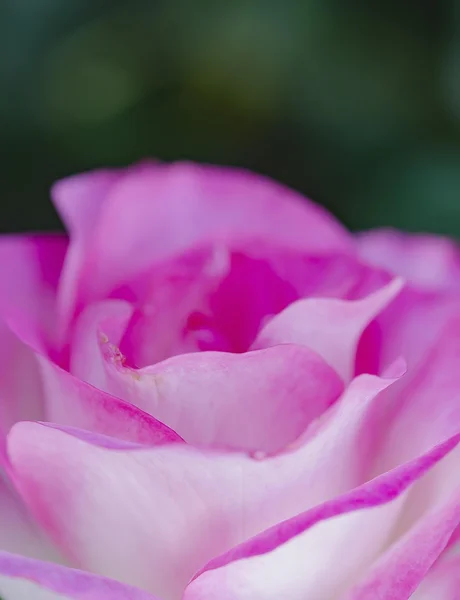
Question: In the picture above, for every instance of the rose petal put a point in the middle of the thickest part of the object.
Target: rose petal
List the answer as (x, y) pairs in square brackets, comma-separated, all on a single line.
[(18, 532), (166, 299), (155, 211), (442, 581), (329, 326), (33, 388), (403, 566), (21, 396), (71, 401), (430, 262), (23, 578), (409, 327), (194, 301), (422, 408), (98, 324), (79, 200), (31, 266), (294, 558), (180, 506), (382, 489), (261, 400)]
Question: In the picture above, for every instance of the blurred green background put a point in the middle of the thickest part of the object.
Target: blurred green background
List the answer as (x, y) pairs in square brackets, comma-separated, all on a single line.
[(355, 103)]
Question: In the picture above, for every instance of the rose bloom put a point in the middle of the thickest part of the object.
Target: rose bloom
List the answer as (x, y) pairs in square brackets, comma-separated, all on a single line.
[(212, 391)]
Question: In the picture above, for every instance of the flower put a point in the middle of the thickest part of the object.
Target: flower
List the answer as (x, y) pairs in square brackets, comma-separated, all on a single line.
[(212, 390)]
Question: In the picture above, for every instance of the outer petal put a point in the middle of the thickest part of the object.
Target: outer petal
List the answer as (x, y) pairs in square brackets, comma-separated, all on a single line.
[(413, 322), (23, 579), (71, 401), (34, 388), (329, 326), (31, 266), (79, 201), (18, 532), (429, 519), (172, 495), (322, 552), (443, 581), (261, 400), (408, 327), (155, 211), (423, 407), (176, 484), (21, 394), (430, 262)]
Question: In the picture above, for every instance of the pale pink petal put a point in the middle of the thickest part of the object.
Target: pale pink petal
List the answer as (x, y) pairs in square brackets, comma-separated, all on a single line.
[(18, 532), (329, 326), (404, 565), (408, 327), (260, 400), (80, 198), (155, 211), (71, 401), (29, 268), (34, 388), (21, 396), (428, 261), (442, 581), (26, 579), (154, 516), (382, 489), (422, 408), (321, 553), (98, 325)]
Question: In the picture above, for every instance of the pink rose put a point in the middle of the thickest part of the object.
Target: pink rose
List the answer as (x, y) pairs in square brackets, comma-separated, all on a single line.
[(213, 391)]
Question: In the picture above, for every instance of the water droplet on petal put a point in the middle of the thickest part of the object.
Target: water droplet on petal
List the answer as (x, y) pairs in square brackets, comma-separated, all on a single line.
[(258, 455)]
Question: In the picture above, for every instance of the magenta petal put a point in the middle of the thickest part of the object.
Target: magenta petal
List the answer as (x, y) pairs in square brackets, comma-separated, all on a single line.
[(24, 578), (31, 266), (194, 301), (329, 326), (167, 298), (126, 221)]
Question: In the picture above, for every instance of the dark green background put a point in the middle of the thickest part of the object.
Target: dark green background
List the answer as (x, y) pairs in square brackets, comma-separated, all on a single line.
[(356, 103)]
